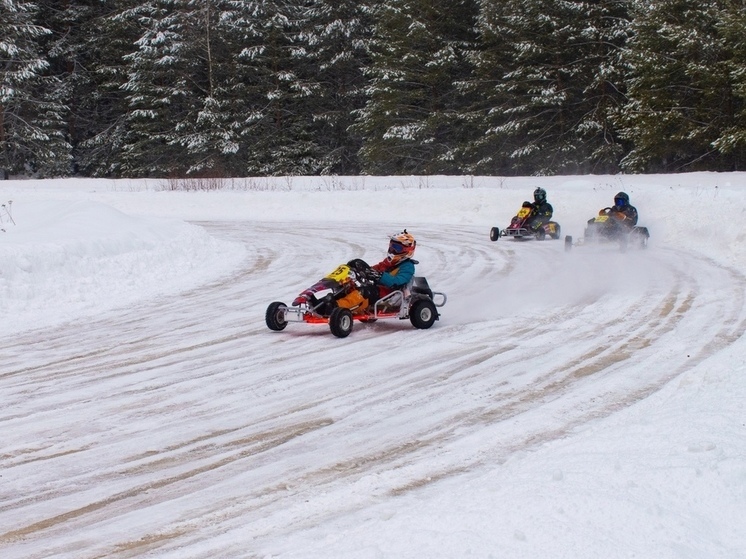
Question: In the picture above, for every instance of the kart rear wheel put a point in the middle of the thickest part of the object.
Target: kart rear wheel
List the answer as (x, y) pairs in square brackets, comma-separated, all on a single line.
[(422, 315), (623, 243), (494, 233), (568, 243), (556, 234), (340, 322), (641, 236), (275, 316)]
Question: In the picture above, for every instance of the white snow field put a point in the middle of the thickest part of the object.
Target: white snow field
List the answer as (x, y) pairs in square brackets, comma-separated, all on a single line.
[(584, 404)]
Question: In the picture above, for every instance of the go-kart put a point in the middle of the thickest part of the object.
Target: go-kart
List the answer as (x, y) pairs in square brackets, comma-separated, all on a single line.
[(608, 227), (519, 229), (321, 303)]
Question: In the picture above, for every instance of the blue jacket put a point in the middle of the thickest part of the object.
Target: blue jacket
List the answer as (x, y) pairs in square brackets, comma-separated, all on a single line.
[(398, 276)]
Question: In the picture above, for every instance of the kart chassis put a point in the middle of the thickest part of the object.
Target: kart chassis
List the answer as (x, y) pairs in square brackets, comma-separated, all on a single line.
[(415, 301)]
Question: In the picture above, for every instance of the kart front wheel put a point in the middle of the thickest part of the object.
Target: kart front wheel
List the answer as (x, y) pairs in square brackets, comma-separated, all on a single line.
[(422, 315), (494, 233), (275, 316), (340, 322)]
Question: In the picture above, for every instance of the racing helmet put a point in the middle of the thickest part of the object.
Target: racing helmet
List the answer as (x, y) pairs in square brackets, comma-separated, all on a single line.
[(621, 200), (401, 247), (540, 196)]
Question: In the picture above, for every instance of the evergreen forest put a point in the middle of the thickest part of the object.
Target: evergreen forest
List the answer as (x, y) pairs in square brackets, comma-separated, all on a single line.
[(239, 88)]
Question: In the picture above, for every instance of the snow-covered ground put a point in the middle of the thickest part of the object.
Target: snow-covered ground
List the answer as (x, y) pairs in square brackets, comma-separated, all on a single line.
[(576, 404)]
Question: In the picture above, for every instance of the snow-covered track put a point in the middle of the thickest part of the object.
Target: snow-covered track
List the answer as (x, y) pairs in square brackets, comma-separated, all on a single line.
[(210, 425)]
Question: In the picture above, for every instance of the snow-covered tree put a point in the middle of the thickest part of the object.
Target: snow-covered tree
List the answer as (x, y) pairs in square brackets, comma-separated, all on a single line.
[(32, 126), (732, 140), (333, 53), (550, 86), (86, 48), (216, 87), (276, 133), (411, 121), (686, 105), (164, 75)]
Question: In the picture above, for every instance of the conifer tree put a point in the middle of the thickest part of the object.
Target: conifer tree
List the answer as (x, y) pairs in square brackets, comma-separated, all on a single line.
[(335, 37), (277, 137), (215, 89), (32, 135), (411, 122), (732, 140), (86, 46), (163, 74), (551, 86), (212, 133), (684, 108)]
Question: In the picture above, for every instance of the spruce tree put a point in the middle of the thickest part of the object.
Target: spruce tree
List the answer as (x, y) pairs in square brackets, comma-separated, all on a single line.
[(551, 86), (684, 109), (32, 125), (210, 133), (217, 87), (411, 122), (276, 136), (86, 48), (732, 140), (163, 76), (333, 50)]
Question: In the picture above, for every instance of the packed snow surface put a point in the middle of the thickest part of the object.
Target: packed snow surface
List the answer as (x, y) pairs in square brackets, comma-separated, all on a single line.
[(568, 404)]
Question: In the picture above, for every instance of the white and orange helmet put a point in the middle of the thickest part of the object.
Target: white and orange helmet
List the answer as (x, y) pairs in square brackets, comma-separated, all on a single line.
[(401, 247)]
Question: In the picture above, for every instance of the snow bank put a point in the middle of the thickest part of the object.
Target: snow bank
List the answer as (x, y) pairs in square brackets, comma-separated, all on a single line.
[(62, 259)]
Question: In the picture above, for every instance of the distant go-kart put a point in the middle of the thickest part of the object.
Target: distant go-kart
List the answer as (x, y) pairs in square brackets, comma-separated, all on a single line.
[(318, 304), (519, 229), (608, 227)]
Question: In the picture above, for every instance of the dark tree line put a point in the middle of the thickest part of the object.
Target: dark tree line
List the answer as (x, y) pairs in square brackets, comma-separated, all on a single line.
[(219, 88)]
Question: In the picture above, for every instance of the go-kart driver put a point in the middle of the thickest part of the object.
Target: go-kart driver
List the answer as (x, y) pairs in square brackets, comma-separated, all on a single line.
[(397, 268), (623, 215), (541, 210), (622, 211), (396, 271)]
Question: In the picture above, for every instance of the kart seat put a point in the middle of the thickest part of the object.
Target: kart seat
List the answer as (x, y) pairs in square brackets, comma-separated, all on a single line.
[(420, 285)]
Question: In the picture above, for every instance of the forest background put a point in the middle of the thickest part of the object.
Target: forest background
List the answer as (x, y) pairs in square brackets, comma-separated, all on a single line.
[(235, 88)]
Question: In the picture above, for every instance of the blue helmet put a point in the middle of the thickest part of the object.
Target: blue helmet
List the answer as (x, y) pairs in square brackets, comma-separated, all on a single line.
[(621, 199)]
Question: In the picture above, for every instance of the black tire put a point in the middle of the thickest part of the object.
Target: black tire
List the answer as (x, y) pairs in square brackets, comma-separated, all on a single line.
[(641, 237), (494, 233), (340, 322), (275, 316), (423, 314), (568, 243), (541, 234), (557, 232), (623, 243)]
